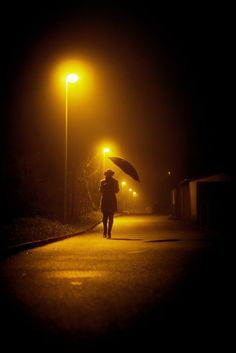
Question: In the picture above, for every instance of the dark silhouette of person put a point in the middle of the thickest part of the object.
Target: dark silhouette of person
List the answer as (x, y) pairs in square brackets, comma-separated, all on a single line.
[(109, 187)]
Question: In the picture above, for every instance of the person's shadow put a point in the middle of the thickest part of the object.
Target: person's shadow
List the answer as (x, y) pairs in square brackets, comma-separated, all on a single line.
[(160, 240), (148, 241), (126, 239)]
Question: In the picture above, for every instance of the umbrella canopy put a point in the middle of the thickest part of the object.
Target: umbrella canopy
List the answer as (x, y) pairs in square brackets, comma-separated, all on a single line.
[(126, 167)]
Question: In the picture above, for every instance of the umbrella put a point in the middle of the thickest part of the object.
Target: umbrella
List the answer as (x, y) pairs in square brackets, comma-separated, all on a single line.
[(125, 166)]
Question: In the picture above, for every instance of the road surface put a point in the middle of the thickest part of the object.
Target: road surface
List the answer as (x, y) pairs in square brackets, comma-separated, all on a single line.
[(156, 282)]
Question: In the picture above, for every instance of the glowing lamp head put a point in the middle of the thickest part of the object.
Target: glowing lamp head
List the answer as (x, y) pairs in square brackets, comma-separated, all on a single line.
[(106, 150), (72, 78)]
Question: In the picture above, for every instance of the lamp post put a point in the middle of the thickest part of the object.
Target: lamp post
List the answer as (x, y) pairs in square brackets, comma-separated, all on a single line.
[(71, 78), (123, 185), (134, 200), (130, 196), (105, 150)]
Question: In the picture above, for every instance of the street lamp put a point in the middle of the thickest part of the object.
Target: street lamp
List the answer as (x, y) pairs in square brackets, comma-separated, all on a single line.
[(123, 195), (134, 200), (105, 150), (123, 183), (71, 78)]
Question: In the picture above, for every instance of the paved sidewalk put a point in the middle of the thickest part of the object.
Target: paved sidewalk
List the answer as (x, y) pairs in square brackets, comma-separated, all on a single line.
[(156, 281)]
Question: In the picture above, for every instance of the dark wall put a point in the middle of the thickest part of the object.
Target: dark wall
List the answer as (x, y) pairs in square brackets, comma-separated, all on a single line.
[(215, 205)]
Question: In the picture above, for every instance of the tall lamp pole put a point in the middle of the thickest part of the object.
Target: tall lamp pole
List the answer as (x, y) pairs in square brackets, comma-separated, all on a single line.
[(71, 78)]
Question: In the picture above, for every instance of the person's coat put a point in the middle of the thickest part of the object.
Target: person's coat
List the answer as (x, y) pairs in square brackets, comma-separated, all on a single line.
[(109, 188)]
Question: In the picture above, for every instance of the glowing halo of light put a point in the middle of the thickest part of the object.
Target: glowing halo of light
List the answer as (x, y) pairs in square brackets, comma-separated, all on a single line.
[(72, 78)]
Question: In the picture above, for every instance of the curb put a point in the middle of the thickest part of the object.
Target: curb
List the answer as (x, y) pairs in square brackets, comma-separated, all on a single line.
[(33, 244)]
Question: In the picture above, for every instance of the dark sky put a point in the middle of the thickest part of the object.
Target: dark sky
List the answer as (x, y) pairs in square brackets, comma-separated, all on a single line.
[(162, 85)]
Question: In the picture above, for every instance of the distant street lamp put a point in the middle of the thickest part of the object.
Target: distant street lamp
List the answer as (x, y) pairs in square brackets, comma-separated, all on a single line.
[(130, 197), (123, 194), (134, 200), (71, 78), (123, 184)]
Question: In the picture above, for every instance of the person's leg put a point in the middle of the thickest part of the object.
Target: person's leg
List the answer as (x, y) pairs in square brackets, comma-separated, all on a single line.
[(104, 220), (110, 224)]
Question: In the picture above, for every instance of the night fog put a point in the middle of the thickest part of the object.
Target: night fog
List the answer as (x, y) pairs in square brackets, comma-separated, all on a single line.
[(117, 176), (158, 94)]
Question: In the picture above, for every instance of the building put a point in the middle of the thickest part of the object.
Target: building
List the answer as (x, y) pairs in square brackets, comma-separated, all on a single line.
[(206, 202)]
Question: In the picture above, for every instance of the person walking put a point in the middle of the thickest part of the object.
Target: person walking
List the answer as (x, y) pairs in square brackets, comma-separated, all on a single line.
[(109, 187)]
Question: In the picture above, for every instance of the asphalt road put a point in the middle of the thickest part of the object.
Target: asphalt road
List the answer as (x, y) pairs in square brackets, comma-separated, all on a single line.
[(156, 283)]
